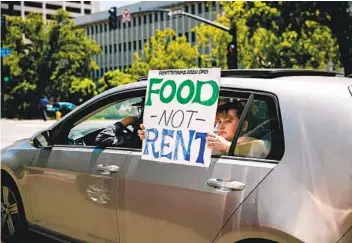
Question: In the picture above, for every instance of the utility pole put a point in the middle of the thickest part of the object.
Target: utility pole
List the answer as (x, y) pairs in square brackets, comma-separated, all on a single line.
[(232, 53)]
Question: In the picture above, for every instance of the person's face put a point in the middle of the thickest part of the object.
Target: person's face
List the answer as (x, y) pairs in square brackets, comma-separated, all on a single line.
[(227, 124)]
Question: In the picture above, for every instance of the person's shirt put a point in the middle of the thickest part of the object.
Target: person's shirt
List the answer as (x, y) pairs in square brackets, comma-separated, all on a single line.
[(249, 147), (117, 135)]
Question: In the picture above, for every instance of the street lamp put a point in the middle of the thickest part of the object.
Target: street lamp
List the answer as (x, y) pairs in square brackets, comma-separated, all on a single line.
[(232, 61)]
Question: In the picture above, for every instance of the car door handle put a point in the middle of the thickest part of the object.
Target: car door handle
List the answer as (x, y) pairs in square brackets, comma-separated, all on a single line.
[(225, 185), (107, 170)]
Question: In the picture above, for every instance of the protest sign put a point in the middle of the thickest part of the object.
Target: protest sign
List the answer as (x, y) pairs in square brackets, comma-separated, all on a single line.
[(180, 110)]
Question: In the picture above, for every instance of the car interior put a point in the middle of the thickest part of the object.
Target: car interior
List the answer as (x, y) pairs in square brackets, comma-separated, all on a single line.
[(262, 122)]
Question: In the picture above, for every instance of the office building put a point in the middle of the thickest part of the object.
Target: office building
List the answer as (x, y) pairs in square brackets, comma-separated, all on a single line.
[(48, 8), (119, 45)]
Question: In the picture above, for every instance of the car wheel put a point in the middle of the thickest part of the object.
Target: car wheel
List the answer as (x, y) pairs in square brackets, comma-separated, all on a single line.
[(13, 221)]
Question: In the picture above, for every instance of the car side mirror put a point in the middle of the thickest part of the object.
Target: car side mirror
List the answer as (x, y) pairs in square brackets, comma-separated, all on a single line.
[(42, 139)]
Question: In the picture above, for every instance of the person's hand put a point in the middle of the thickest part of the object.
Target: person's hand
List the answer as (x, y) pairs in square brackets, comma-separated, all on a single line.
[(217, 142), (141, 132), (129, 120)]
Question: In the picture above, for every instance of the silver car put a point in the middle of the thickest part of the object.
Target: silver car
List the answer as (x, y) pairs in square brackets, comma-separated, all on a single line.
[(60, 183)]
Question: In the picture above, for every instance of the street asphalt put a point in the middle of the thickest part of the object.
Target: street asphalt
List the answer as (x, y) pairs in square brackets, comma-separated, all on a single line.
[(13, 130)]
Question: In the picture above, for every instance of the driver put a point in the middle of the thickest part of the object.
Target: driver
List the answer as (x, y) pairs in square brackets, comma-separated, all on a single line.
[(118, 135)]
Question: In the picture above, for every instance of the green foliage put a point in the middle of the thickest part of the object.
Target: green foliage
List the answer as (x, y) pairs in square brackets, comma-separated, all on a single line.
[(266, 45), (165, 51), (114, 78), (57, 57)]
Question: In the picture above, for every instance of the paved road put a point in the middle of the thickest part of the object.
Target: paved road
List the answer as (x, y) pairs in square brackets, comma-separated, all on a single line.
[(13, 130)]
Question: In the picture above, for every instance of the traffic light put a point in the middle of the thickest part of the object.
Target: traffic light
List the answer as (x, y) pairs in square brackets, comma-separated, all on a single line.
[(5, 74), (113, 18)]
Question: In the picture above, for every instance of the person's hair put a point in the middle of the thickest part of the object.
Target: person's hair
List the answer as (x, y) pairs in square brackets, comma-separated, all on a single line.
[(224, 109)]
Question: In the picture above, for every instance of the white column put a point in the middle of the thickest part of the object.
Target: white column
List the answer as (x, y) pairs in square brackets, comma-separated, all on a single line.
[(64, 5), (22, 9), (44, 10), (82, 7)]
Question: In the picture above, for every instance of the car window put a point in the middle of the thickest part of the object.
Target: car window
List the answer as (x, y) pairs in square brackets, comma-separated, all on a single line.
[(261, 134), (86, 131)]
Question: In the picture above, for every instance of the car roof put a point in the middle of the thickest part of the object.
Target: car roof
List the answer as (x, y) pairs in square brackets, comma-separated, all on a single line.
[(271, 80)]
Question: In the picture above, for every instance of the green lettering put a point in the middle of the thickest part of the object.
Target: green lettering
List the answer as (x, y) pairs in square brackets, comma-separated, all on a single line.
[(182, 100), (151, 90), (164, 99), (214, 97)]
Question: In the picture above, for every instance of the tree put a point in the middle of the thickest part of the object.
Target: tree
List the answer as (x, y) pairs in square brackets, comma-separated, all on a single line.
[(165, 51), (265, 46), (58, 55), (334, 17), (115, 78)]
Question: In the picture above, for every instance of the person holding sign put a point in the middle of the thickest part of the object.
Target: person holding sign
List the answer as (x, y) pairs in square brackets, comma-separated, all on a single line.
[(227, 119)]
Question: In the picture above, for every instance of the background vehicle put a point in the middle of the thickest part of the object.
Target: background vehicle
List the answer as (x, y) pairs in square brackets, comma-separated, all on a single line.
[(63, 107), (60, 183)]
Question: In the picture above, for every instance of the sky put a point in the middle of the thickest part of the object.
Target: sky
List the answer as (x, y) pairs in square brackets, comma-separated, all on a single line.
[(105, 5)]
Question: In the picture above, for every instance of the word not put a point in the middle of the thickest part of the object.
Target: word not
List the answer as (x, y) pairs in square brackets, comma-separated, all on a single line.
[(194, 92), (172, 118), (178, 141)]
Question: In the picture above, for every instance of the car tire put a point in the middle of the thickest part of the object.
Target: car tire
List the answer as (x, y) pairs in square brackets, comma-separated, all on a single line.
[(13, 220)]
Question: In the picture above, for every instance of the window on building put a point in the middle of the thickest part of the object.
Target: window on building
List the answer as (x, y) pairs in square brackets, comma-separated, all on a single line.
[(129, 24), (96, 29), (140, 44), (134, 45), (120, 47), (87, 30), (33, 4), (115, 48), (110, 49), (145, 19), (186, 34), (186, 9), (124, 46), (162, 16), (193, 37), (145, 41), (105, 27), (105, 49), (134, 21), (213, 4), (206, 6), (101, 28), (87, 11), (106, 69), (73, 10), (92, 29), (156, 17), (52, 6), (200, 9), (129, 46), (87, 2), (150, 18), (124, 25), (193, 11), (139, 20)]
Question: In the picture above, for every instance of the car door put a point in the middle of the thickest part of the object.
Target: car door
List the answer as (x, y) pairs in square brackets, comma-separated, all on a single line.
[(74, 187), (162, 202)]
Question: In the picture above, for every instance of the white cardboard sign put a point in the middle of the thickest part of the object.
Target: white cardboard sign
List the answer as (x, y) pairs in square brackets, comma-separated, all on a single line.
[(179, 112)]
